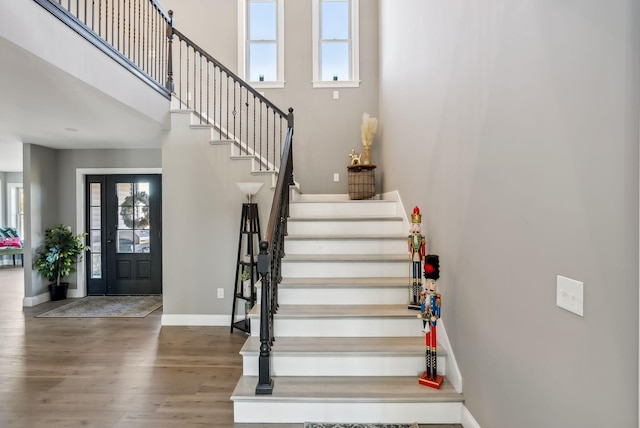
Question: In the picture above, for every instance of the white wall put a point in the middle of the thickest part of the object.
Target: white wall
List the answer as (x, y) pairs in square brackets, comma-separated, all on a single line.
[(514, 126)]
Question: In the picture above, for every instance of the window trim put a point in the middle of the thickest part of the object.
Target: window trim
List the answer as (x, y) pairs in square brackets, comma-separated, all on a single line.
[(354, 14), (243, 42)]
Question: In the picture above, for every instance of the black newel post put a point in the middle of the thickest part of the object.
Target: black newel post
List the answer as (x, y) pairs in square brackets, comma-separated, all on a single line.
[(290, 126), (169, 84), (265, 383)]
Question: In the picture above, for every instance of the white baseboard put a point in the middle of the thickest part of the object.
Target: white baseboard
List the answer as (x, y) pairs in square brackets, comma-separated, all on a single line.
[(467, 420), (196, 320), (36, 300), (453, 371), (74, 293)]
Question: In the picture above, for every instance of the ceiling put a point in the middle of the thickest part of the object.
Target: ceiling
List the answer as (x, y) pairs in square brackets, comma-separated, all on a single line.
[(44, 105)]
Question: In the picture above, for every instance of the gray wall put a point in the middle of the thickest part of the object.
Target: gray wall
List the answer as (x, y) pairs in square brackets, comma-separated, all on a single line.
[(41, 208), (514, 126), (326, 129), (201, 209)]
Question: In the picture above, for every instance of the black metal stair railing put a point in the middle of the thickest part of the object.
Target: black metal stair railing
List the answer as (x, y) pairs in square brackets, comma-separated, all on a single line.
[(132, 32), (270, 262), (220, 98)]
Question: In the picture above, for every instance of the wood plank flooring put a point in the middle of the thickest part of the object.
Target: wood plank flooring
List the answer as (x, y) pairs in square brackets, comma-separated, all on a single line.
[(117, 373)]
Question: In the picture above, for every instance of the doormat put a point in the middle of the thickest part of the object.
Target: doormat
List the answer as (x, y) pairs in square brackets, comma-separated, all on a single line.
[(336, 425), (107, 307)]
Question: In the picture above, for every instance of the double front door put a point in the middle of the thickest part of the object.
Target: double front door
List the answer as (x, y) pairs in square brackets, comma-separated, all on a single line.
[(124, 225)]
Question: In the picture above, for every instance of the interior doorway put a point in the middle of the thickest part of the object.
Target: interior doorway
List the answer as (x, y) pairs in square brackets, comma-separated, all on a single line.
[(124, 226)]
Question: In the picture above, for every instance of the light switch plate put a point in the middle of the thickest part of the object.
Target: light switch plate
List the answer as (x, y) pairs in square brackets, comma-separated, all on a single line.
[(220, 293), (570, 295), (336, 177), (336, 95)]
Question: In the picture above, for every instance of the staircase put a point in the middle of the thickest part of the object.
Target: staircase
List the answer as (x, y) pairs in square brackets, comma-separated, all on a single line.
[(347, 348)]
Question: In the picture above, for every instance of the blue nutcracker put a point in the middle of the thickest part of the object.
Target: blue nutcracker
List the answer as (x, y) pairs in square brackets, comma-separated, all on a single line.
[(430, 304)]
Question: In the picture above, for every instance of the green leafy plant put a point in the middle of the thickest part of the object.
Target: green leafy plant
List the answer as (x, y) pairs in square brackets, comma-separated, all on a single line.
[(61, 252), (246, 274)]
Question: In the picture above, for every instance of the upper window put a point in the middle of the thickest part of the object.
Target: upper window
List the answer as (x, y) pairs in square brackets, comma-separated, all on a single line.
[(335, 43), (261, 40)]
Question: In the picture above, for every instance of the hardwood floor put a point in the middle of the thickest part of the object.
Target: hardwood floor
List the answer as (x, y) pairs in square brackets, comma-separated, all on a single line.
[(93, 372)]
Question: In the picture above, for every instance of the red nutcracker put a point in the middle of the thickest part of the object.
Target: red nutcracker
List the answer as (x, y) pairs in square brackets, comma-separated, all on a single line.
[(430, 303), (416, 245)]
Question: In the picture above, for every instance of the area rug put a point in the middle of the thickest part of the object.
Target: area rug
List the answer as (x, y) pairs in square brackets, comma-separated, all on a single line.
[(335, 425), (107, 307)]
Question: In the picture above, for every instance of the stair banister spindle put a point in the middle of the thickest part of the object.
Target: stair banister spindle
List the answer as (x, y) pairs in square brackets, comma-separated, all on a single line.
[(169, 34)]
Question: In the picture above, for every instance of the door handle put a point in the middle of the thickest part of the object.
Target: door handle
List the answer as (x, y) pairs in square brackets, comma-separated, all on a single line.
[(109, 241)]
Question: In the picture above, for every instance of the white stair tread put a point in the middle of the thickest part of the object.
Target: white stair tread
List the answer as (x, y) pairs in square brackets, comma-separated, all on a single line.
[(389, 389), (385, 346), (359, 282), (346, 237), (341, 311), (373, 258), (358, 219)]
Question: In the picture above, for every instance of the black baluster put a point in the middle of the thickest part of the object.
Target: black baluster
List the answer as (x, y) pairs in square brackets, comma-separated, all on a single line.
[(169, 33)]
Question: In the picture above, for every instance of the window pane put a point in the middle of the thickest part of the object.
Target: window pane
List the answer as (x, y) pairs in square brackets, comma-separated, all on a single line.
[(125, 241), (95, 219), (142, 242), (142, 193), (262, 20), (262, 62), (96, 241), (95, 195), (335, 61), (125, 194), (335, 20), (96, 266), (142, 218)]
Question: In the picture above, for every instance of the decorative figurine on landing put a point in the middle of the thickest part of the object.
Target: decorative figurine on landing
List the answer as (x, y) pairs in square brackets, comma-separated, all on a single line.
[(416, 244), (430, 307)]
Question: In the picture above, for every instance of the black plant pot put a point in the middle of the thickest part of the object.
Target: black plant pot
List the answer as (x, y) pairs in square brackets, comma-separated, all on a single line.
[(58, 292)]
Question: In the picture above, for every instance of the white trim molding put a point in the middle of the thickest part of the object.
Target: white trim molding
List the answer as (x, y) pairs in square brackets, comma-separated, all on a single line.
[(453, 371), (194, 320), (36, 300), (354, 48), (243, 42), (467, 420)]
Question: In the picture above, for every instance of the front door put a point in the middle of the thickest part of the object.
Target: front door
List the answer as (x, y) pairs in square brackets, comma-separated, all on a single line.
[(124, 218)]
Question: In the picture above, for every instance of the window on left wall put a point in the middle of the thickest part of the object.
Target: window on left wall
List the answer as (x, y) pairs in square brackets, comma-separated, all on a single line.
[(261, 42)]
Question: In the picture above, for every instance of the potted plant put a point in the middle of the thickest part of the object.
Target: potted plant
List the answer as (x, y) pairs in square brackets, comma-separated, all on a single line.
[(58, 258)]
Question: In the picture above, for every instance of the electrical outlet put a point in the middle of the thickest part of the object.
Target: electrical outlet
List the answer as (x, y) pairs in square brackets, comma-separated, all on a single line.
[(220, 293), (336, 95), (570, 295), (336, 177)]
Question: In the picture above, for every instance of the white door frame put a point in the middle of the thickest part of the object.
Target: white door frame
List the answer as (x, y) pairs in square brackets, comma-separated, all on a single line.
[(81, 173)]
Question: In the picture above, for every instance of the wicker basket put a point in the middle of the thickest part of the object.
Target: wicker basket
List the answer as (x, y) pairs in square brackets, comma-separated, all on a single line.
[(362, 181)]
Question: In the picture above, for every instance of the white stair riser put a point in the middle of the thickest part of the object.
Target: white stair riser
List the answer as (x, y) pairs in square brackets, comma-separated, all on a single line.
[(342, 365), (341, 327), (345, 246), (343, 269), (295, 411), (343, 296), (345, 227), (339, 209)]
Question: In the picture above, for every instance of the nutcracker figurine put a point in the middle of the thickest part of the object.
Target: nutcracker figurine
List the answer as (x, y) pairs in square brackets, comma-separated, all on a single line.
[(430, 312), (416, 244)]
